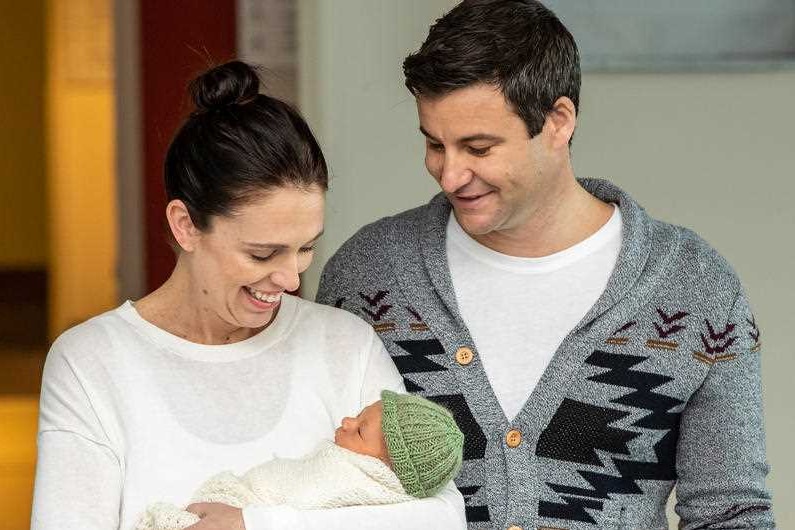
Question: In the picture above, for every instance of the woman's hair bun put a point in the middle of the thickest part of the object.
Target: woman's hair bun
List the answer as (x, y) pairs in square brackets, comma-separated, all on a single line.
[(231, 83)]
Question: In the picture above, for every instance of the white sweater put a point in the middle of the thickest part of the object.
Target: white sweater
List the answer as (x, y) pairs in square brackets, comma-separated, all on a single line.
[(329, 477), (132, 415)]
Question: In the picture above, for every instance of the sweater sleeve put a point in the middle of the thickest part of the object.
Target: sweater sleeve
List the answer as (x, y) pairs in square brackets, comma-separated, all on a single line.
[(78, 474), (721, 459), (445, 510)]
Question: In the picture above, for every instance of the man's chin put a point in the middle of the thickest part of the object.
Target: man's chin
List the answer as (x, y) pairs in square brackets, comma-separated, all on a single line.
[(475, 225)]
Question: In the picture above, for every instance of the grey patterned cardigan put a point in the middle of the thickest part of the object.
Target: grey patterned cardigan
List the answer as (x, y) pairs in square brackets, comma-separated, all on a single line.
[(658, 385)]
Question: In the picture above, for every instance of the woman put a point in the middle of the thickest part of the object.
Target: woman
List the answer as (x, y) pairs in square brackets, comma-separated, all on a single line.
[(218, 368)]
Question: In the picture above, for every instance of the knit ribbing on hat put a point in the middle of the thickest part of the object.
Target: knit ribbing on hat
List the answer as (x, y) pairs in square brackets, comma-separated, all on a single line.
[(424, 442)]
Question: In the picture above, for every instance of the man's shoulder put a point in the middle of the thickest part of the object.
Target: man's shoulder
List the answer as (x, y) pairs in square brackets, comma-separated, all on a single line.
[(696, 250), (694, 257), (393, 228), (372, 251), (388, 235)]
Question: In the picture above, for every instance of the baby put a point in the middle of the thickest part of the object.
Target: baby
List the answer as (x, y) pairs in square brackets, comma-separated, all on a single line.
[(396, 449)]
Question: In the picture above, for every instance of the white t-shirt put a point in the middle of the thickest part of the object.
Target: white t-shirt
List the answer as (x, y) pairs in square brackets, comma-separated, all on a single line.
[(519, 310), (131, 415)]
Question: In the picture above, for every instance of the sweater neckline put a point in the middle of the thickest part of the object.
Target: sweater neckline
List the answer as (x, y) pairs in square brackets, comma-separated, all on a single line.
[(607, 233), (249, 347)]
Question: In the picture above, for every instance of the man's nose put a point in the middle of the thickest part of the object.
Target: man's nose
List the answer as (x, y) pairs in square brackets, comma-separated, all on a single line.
[(455, 174)]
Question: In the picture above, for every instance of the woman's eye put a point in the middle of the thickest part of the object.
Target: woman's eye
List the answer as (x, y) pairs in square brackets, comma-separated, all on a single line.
[(302, 250), (255, 257)]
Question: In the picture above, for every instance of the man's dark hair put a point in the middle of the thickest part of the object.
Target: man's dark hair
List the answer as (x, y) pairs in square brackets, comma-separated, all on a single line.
[(519, 46)]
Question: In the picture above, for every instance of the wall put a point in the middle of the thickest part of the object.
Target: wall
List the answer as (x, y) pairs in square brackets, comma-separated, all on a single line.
[(174, 47), (712, 152), (131, 253), (81, 187), (352, 94), (23, 242)]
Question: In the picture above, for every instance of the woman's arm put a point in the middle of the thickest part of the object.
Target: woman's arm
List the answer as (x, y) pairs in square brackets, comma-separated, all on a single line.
[(78, 475), (445, 510)]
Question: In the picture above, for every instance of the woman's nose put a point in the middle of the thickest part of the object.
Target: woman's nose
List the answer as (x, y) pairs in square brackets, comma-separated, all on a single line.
[(287, 276)]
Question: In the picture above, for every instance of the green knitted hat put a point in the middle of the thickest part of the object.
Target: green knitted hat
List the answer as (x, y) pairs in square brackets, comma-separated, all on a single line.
[(423, 440)]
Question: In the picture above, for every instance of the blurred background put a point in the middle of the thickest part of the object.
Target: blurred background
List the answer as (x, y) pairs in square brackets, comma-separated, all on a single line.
[(93, 90)]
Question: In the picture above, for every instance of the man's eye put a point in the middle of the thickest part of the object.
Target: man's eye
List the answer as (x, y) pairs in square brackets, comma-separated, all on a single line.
[(479, 151), (435, 147), (305, 250)]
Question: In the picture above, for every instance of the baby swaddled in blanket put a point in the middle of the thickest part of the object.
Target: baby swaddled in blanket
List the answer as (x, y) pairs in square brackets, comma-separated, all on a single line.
[(396, 449)]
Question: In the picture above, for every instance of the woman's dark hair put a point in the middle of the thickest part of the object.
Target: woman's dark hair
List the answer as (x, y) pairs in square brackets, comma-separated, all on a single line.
[(238, 143), (519, 46)]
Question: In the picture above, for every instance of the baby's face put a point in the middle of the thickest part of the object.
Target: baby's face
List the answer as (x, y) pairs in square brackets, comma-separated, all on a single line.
[(363, 433)]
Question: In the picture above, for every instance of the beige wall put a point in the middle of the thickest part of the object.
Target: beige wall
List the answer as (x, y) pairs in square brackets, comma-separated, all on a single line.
[(23, 241), (714, 152)]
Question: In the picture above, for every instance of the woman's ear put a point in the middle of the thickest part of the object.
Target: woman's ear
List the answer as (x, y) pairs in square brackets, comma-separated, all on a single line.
[(561, 120), (185, 232)]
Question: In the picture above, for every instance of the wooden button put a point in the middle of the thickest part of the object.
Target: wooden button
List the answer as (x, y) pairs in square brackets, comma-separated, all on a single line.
[(513, 438), (464, 356)]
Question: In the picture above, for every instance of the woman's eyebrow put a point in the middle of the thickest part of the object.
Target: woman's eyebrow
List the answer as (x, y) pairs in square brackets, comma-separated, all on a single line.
[(265, 245), (279, 245)]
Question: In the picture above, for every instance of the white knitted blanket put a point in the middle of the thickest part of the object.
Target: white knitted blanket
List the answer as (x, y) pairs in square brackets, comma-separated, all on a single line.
[(329, 477)]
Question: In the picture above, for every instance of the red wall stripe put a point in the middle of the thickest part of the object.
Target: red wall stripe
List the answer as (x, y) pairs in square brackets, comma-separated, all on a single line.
[(179, 39)]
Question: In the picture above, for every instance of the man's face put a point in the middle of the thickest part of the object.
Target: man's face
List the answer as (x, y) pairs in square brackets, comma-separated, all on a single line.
[(479, 151)]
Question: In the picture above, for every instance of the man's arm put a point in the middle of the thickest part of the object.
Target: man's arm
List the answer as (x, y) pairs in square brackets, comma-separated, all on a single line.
[(721, 460)]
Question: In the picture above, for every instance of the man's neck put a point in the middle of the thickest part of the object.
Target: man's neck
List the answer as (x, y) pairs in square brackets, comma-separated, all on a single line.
[(567, 217)]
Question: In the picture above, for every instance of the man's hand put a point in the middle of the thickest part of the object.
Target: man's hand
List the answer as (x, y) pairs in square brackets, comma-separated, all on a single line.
[(216, 516)]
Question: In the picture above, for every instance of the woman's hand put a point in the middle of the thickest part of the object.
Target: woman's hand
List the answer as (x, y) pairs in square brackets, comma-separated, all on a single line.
[(216, 516)]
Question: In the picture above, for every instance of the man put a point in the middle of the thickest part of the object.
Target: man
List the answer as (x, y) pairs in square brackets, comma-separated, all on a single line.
[(593, 356)]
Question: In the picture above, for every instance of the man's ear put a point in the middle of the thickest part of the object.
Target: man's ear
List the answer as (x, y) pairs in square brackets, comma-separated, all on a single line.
[(561, 122), (185, 232)]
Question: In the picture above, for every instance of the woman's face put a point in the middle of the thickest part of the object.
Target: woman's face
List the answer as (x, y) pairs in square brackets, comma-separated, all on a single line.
[(243, 263)]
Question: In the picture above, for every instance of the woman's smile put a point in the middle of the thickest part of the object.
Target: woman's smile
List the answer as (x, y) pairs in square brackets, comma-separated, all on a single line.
[(263, 301)]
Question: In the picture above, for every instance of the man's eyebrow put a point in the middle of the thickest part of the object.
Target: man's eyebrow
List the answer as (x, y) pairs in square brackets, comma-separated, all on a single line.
[(279, 245), (482, 137), (471, 138), (427, 134)]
